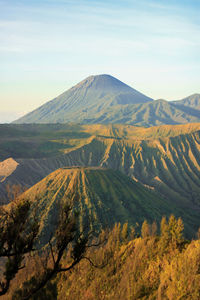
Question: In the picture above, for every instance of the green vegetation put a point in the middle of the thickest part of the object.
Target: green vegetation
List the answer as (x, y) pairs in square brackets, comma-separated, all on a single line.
[(17, 236), (134, 260), (164, 159), (37, 141), (20, 243), (104, 197), (49, 140), (124, 177)]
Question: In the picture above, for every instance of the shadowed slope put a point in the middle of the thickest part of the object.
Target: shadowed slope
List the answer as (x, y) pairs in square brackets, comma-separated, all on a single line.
[(48, 140), (192, 101)]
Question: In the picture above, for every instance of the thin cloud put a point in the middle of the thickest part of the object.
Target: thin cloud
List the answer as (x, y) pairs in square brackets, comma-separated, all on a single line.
[(147, 42)]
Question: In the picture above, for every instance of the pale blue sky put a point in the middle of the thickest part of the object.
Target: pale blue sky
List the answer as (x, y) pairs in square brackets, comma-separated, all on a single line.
[(48, 46)]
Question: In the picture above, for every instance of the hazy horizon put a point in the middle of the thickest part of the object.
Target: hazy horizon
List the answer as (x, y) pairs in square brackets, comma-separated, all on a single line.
[(46, 47)]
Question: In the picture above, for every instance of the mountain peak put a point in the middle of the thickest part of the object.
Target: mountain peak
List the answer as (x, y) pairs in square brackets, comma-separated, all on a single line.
[(105, 83), (192, 102), (91, 100), (100, 76)]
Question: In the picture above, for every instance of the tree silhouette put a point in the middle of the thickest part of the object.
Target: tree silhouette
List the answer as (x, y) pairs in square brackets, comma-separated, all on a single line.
[(19, 232)]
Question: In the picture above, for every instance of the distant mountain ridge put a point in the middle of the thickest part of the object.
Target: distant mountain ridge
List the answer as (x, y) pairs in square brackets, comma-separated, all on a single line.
[(104, 99), (192, 101)]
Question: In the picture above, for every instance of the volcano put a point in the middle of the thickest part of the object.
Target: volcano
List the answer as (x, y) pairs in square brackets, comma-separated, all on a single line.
[(101, 196), (93, 100)]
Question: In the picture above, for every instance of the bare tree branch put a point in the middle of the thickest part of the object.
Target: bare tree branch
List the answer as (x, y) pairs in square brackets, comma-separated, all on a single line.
[(92, 264), (52, 255)]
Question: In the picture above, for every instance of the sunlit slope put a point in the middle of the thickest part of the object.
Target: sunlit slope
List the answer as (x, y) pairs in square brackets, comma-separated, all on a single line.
[(48, 140), (169, 165), (101, 196), (165, 158)]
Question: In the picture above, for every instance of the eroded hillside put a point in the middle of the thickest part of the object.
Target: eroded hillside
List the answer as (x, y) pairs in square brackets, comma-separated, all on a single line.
[(164, 158), (102, 197)]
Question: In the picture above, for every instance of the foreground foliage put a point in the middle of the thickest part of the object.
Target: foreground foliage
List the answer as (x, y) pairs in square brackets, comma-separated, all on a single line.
[(19, 250), (156, 264), (18, 232), (152, 266)]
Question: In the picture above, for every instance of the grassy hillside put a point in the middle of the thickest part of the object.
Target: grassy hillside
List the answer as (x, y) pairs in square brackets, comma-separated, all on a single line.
[(48, 140), (35, 141), (165, 158), (102, 197)]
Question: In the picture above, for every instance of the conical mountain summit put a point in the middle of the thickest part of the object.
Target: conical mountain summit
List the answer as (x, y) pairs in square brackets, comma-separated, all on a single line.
[(104, 99), (90, 101)]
